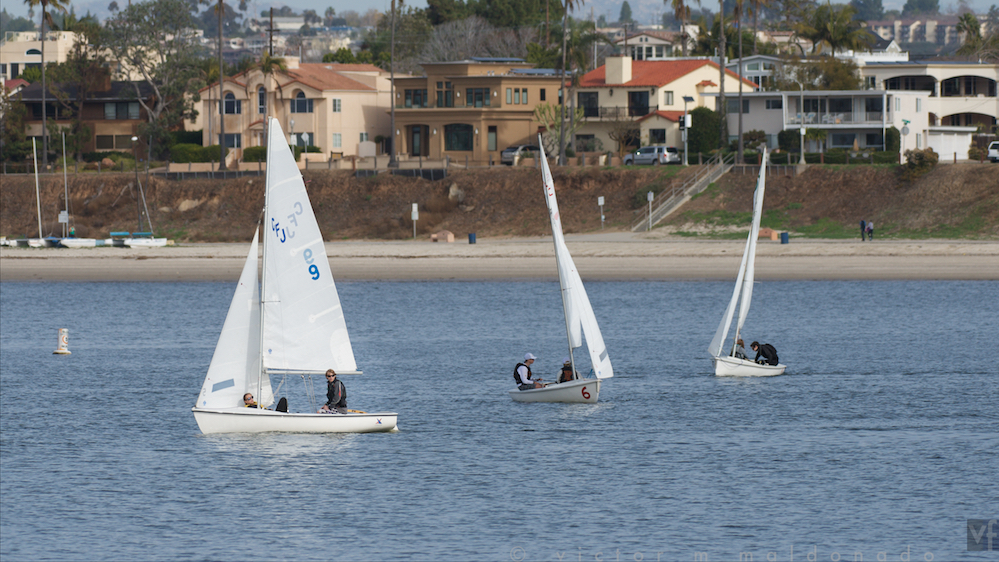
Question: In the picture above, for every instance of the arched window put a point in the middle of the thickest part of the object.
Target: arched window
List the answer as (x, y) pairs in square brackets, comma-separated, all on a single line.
[(300, 104), (232, 105), (262, 100), (33, 52), (458, 136)]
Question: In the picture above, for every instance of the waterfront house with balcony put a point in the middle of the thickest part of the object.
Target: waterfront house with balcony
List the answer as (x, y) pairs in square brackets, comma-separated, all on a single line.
[(471, 108), (849, 118), (957, 93), (649, 94), (332, 106)]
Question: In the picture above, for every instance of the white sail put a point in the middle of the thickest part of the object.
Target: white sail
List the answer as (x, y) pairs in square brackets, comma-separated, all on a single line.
[(580, 321), (304, 327), (744, 279), (235, 365)]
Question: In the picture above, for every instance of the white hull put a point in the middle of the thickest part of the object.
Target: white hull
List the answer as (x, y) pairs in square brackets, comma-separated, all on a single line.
[(581, 391), (145, 242), (732, 367), (39, 242), (251, 420), (81, 242)]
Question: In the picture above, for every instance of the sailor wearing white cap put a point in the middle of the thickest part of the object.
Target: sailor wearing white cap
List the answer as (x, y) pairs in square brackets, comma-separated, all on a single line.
[(522, 374)]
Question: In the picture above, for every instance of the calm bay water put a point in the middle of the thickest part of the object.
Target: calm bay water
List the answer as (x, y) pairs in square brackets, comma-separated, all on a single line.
[(881, 439)]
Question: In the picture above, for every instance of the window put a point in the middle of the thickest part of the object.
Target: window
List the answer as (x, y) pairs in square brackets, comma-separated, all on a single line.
[(445, 95), (509, 95), (874, 139), (336, 105), (733, 106), (893, 84), (669, 98), (492, 138), (232, 105), (842, 139), (919, 141), (3, 69), (648, 53), (753, 66), (416, 98), (588, 102), (775, 104), (523, 95), (121, 110), (300, 104), (302, 139), (105, 142), (458, 136), (516, 95), (261, 100), (542, 95), (337, 140), (364, 137), (234, 140), (919, 105), (477, 97), (657, 136), (871, 82), (659, 51), (898, 104), (33, 52)]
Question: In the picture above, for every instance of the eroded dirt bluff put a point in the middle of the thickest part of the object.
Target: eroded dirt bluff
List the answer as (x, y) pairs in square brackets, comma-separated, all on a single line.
[(501, 202)]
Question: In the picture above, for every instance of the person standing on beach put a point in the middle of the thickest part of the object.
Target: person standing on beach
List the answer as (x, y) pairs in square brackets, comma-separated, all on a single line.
[(863, 229), (870, 230)]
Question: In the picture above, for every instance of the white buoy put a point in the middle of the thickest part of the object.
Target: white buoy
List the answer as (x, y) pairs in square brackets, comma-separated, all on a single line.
[(63, 342)]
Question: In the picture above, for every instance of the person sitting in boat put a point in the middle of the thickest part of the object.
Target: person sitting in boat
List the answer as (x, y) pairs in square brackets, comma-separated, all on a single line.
[(336, 395), (522, 374), (766, 351), (740, 350), (248, 401), (566, 375)]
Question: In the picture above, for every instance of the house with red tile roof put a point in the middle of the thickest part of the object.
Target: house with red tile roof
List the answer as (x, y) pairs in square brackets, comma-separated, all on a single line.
[(645, 98), (333, 106)]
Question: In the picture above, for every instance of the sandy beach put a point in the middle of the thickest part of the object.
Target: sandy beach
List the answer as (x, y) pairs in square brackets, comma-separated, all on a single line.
[(611, 256)]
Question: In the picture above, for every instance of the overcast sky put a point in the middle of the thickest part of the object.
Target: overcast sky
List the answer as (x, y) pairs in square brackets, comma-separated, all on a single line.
[(609, 7)]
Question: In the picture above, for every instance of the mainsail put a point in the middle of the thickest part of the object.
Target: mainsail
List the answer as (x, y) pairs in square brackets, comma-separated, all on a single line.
[(304, 329), (744, 280), (579, 318), (235, 366)]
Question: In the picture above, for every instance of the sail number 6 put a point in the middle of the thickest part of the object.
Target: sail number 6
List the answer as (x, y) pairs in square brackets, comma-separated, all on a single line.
[(586, 395), (313, 269)]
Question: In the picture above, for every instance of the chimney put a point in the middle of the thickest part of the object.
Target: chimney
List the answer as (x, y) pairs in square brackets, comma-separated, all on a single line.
[(618, 70)]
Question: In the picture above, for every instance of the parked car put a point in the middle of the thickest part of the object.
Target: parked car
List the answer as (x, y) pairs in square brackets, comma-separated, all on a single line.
[(994, 151), (653, 155), (508, 155)]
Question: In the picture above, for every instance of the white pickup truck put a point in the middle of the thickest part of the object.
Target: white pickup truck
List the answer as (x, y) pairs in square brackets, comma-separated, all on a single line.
[(994, 151)]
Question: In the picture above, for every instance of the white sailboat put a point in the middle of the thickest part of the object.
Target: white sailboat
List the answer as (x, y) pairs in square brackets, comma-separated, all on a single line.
[(292, 325), (579, 318), (726, 364)]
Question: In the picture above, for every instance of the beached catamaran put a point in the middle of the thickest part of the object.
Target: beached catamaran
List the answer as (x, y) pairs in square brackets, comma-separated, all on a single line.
[(291, 325), (724, 361), (579, 318)]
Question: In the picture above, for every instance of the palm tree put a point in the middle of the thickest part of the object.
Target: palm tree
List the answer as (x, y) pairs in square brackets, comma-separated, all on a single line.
[(220, 10), (46, 18), (268, 66), (757, 6), (737, 14), (681, 11), (722, 108), (835, 27), (567, 5), (968, 25)]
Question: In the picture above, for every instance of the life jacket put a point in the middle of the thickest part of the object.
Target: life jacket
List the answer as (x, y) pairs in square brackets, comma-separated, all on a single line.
[(772, 352), (516, 375)]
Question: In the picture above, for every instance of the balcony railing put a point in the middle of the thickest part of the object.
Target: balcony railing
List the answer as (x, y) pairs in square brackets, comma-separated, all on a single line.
[(837, 118), (594, 112)]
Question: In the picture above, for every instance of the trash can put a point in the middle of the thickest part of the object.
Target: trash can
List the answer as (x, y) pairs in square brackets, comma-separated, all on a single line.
[(471, 238), (783, 238)]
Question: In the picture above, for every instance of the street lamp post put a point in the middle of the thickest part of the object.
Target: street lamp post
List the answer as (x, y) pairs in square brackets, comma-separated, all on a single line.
[(686, 126), (801, 109), (138, 203)]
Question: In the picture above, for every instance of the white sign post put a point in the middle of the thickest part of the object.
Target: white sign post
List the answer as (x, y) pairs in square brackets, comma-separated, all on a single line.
[(63, 217), (600, 202), (416, 217), (650, 196)]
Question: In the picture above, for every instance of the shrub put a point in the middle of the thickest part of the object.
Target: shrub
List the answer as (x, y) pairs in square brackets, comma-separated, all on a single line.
[(255, 154), (211, 153), (569, 152), (976, 153), (918, 162), (893, 140), (789, 140), (98, 156), (751, 140), (186, 137), (704, 132), (185, 152)]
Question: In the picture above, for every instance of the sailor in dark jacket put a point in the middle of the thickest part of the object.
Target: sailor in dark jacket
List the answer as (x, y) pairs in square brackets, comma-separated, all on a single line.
[(336, 395), (766, 351)]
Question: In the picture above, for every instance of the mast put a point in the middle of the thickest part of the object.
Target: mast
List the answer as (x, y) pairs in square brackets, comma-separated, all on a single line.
[(38, 196), (558, 262), (263, 272), (65, 183)]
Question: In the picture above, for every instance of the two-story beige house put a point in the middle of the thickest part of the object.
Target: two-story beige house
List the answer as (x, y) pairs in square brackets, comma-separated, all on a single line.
[(649, 95), (471, 108), (329, 105)]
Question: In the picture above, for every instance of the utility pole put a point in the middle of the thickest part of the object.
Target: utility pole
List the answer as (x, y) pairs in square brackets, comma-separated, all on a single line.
[(392, 135), (561, 121), (221, 99), (722, 108)]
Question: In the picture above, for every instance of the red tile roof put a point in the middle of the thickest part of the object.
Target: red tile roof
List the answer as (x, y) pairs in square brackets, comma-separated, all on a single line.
[(707, 83), (361, 67), (653, 73), (16, 83), (321, 77), (674, 116)]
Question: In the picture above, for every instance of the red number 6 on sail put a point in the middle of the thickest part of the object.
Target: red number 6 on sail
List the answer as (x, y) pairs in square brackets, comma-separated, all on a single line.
[(586, 395)]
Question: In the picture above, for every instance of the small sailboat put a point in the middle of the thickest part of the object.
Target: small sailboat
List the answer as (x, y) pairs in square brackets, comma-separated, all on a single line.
[(579, 318), (726, 364), (291, 325)]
